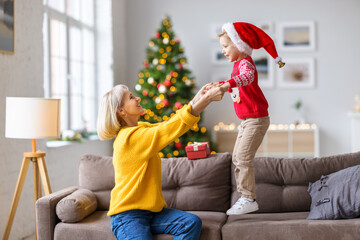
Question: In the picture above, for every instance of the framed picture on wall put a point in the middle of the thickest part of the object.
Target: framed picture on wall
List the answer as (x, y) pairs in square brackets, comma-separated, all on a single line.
[(7, 26), (296, 36), (218, 57), (297, 73), (265, 67)]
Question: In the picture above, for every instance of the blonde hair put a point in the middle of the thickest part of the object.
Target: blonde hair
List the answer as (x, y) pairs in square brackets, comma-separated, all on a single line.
[(108, 123), (224, 33)]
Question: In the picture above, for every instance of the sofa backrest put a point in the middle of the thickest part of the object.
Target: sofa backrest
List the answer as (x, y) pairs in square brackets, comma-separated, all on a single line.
[(203, 184), (96, 173), (281, 183)]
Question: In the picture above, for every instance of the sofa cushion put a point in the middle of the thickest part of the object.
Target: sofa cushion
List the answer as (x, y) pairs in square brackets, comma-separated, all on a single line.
[(96, 173), (94, 227), (76, 206), (197, 185), (212, 222), (285, 226), (281, 183), (97, 226), (337, 195)]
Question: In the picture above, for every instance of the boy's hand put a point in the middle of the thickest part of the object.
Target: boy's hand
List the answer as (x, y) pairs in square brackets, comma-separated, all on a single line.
[(225, 86)]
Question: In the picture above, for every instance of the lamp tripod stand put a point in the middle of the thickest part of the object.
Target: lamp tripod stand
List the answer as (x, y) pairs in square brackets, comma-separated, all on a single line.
[(39, 166)]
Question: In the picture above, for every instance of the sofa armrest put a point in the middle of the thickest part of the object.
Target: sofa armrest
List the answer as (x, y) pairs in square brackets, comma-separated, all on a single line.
[(46, 217)]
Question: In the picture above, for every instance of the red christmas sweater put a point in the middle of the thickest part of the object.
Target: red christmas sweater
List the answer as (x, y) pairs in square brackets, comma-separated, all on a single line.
[(252, 103)]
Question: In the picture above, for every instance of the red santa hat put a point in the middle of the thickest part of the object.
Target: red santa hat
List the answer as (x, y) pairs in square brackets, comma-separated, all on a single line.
[(247, 37)]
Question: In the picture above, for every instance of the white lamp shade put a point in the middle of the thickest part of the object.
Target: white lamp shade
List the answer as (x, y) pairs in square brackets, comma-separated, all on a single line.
[(32, 117)]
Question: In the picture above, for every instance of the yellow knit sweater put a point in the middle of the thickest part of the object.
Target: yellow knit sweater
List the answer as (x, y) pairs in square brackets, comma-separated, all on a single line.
[(137, 163)]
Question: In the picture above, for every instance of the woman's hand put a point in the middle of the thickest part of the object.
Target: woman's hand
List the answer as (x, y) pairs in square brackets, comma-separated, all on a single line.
[(215, 93), (209, 93), (202, 92)]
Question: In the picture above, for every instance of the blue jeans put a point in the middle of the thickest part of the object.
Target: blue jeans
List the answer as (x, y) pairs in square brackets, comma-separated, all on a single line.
[(141, 224)]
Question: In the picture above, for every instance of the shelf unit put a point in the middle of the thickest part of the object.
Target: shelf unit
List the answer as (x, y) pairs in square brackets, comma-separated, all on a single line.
[(280, 140)]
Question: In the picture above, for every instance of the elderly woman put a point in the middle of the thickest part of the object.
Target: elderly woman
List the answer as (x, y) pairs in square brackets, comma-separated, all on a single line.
[(137, 206)]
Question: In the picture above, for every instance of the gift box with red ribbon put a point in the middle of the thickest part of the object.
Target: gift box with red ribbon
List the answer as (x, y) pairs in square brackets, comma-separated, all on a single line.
[(198, 150)]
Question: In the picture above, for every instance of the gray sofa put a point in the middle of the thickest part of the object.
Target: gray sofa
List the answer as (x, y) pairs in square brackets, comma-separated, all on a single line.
[(206, 187)]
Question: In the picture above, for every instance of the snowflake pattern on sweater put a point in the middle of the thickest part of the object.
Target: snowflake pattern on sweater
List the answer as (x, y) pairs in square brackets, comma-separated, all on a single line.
[(253, 103), (246, 73)]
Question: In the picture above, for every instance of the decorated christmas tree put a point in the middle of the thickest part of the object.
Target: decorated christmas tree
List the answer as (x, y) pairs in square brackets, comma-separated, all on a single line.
[(166, 85)]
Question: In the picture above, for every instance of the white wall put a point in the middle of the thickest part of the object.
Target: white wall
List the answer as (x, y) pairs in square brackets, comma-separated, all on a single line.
[(337, 33), (21, 75)]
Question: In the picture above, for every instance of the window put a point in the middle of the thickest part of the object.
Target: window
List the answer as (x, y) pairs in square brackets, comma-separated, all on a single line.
[(77, 55)]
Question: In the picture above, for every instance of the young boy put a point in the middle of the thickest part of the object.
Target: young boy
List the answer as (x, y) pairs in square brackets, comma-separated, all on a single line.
[(237, 41)]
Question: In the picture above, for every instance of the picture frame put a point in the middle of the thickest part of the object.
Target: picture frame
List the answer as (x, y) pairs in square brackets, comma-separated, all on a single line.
[(218, 58), (265, 68), (7, 26), (296, 36), (297, 73)]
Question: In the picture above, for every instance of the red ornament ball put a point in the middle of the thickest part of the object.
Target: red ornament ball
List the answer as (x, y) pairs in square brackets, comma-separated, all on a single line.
[(166, 102), (181, 66), (179, 145), (145, 93), (157, 35), (146, 64), (159, 85), (178, 105), (167, 83)]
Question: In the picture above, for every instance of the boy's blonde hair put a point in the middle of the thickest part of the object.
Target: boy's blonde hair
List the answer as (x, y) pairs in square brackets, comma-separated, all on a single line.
[(224, 33), (108, 123)]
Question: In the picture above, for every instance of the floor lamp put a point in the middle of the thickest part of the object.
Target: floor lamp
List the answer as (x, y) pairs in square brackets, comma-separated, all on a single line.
[(31, 118)]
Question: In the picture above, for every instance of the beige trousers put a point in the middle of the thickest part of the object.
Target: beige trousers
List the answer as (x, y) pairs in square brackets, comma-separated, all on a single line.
[(251, 134)]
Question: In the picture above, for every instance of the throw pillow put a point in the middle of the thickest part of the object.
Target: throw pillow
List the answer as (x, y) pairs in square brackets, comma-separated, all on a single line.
[(76, 206), (337, 195)]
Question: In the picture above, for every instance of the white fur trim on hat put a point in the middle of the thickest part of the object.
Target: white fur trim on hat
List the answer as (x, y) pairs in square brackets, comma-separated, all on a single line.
[(277, 60), (235, 38)]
